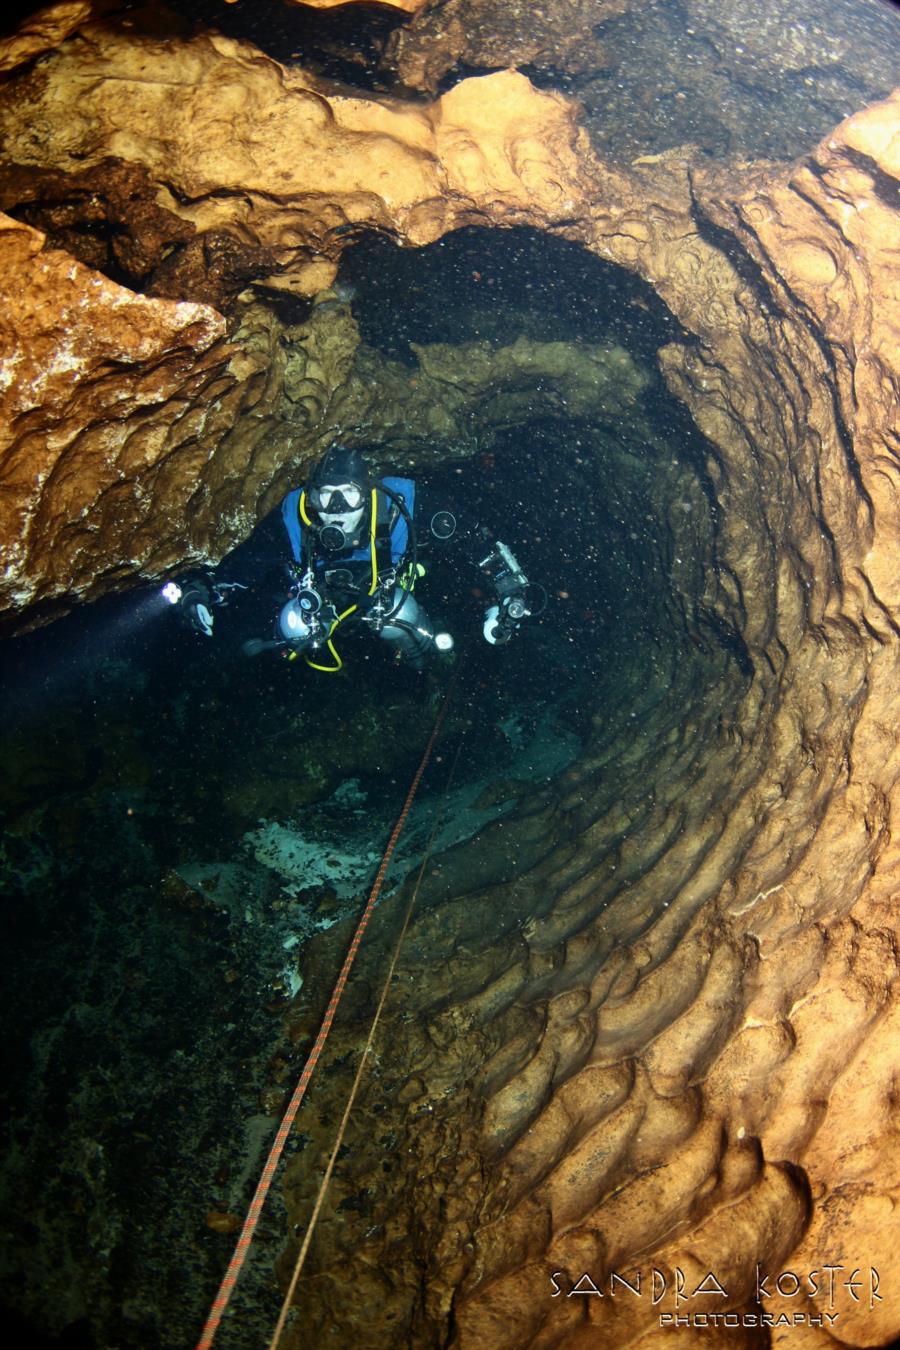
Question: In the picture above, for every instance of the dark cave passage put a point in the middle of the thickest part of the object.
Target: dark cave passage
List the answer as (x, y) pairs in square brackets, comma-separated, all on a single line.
[(189, 773), (491, 285), (642, 1009), (614, 503)]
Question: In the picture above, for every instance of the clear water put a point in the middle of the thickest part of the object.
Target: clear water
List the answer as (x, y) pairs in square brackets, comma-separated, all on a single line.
[(179, 820)]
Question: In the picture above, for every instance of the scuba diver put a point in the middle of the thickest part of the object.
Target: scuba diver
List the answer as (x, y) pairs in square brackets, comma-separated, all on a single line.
[(356, 559)]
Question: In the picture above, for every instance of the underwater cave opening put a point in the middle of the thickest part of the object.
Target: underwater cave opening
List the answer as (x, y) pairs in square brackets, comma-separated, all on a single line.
[(600, 477), (477, 284), (156, 779), (174, 809), (179, 821), (172, 749)]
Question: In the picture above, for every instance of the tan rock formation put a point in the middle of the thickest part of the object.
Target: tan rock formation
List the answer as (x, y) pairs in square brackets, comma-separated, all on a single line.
[(102, 406), (672, 1033), (42, 32), (645, 1021), (251, 150), (407, 6)]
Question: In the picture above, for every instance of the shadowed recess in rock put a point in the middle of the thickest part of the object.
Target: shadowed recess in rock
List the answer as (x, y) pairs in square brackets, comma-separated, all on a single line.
[(645, 1018), (345, 43), (492, 286)]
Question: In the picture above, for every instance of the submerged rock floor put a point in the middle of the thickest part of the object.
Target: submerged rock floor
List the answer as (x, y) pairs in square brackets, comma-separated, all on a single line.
[(146, 1056)]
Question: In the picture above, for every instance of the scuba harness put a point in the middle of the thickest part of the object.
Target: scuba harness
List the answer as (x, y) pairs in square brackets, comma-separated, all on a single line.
[(319, 619)]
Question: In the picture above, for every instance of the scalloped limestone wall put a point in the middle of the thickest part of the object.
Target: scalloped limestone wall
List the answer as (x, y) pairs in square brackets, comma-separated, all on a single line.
[(662, 1031)]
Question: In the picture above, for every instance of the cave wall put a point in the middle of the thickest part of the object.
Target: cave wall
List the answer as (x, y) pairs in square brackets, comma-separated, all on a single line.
[(687, 985), (662, 1032), (278, 172)]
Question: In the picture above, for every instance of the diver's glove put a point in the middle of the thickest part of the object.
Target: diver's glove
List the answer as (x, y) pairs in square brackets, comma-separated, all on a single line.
[(195, 599), (195, 606), (253, 646)]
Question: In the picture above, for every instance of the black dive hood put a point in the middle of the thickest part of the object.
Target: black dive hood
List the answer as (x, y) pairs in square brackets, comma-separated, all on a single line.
[(338, 465)]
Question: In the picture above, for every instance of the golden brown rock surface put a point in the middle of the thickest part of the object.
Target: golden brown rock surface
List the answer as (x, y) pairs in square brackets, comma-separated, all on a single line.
[(671, 1035), (42, 32), (241, 146), (407, 6), (102, 406), (648, 1020)]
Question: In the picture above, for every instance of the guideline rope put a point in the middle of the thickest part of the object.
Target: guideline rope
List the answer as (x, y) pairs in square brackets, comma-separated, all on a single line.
[(230, 1278), (360, 1070)]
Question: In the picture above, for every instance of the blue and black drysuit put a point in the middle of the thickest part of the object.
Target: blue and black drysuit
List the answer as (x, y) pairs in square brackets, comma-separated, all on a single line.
[(371, 579)]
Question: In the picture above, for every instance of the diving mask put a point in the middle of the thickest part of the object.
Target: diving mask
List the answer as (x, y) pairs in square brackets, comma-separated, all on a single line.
[(336, 499)]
